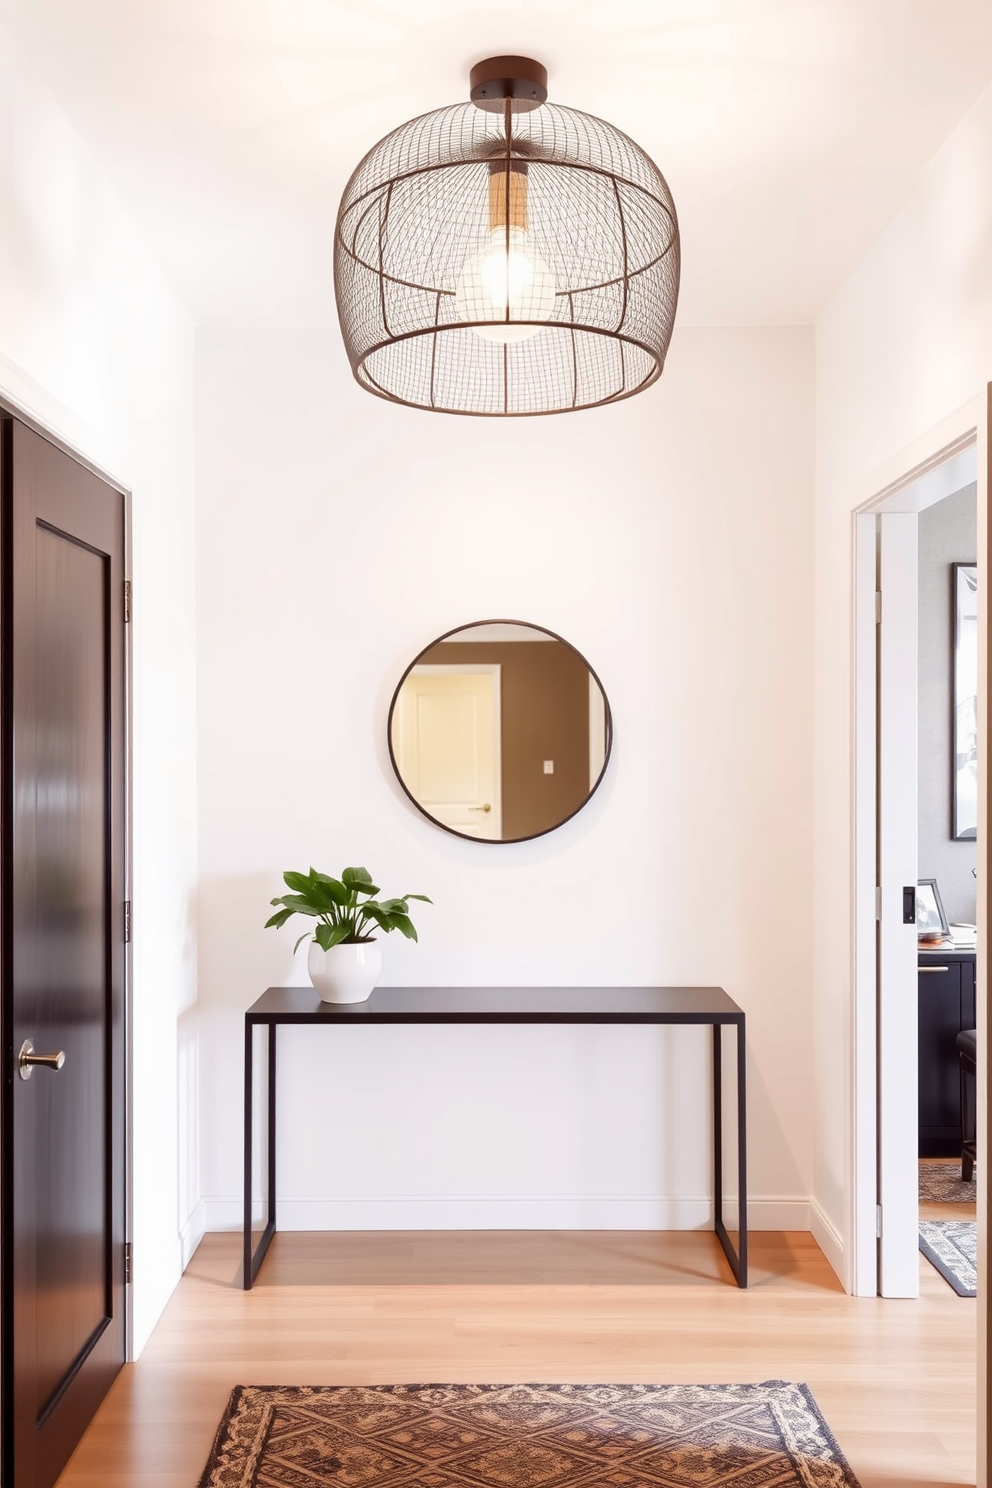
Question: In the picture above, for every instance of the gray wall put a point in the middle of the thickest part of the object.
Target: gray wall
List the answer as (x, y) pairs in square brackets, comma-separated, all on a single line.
[(947, 535)]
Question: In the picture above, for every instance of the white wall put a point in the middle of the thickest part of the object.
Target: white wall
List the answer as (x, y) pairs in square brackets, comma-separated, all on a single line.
[(94, 343), (902, 347), (670, 538)]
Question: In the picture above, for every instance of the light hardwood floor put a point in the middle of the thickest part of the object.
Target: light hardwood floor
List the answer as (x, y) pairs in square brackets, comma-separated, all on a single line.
[(895, 1380)]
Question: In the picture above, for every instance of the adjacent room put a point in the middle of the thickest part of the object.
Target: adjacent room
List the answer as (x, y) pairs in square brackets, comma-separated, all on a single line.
[(948, 823), (465, 1020)]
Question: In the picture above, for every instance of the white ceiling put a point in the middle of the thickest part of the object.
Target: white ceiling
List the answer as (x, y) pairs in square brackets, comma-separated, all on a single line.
[(789, 130)]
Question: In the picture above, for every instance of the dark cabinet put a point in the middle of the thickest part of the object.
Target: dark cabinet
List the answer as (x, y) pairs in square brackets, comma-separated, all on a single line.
[(946, 1005)]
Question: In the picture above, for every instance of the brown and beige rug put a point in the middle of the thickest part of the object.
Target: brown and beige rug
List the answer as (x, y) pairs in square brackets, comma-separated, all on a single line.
[(525, 1436), (940, 1183)]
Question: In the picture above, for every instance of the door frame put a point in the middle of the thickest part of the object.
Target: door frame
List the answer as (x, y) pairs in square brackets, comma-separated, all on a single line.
[(10, 406), (950, 470), (966, 433)]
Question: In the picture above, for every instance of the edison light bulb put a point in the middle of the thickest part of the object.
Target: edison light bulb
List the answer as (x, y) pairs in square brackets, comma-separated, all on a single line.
[(506, 276)]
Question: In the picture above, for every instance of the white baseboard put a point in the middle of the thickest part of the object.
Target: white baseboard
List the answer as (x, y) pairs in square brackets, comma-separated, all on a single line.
[(193, 1232), (557, 1212), (771, 1213), (830, 1241)]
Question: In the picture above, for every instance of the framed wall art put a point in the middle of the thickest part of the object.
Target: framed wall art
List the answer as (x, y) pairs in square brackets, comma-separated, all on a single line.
[(964, 765), (930, 917)]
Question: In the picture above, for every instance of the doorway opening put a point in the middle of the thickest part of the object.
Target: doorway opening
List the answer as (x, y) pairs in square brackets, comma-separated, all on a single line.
[(907, 781)]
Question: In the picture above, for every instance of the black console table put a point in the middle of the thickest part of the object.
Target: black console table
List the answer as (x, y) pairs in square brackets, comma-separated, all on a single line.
[(600, 1005)]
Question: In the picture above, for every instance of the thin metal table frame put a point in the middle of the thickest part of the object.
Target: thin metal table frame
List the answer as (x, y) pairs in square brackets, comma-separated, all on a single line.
[(487, 1005)]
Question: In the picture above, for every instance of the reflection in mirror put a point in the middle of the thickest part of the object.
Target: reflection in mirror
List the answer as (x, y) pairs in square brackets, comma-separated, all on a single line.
[(499, 731)]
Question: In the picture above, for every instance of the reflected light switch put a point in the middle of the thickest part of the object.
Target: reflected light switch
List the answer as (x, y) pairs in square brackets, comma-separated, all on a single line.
[(549, 767)]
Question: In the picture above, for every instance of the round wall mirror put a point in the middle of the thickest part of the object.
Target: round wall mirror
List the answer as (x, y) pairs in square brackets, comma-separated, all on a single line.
[(499, 731)]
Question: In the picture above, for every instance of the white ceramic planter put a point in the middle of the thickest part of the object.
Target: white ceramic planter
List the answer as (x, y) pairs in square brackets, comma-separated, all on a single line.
[(345, 973)]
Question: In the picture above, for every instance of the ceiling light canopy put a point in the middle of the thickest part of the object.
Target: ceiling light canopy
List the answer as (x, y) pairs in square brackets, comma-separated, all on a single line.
[(506, 256)]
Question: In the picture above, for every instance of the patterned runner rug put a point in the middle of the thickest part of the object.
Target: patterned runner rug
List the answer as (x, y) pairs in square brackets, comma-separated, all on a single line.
[(940, 1182), (951, 1245), (525, 1436)]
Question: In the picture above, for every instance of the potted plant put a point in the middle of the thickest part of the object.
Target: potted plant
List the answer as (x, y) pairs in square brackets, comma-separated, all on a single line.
[(344, 960)]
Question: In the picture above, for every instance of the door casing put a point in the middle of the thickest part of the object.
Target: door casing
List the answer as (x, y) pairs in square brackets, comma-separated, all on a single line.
[(949, 470)]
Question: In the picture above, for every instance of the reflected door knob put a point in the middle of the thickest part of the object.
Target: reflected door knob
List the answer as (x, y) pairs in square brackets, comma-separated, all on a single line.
[(487, 807), (27, 1059)]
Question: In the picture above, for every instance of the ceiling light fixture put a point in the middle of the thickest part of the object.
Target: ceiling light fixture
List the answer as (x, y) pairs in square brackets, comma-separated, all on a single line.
[(506, 256)]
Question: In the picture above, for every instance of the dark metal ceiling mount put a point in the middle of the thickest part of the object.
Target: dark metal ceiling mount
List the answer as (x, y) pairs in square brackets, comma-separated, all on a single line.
[(520, 79), (506, 256)]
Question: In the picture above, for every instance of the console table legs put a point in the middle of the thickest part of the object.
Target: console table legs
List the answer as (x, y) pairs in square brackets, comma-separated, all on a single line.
[(254, 1259), (738, 1258)]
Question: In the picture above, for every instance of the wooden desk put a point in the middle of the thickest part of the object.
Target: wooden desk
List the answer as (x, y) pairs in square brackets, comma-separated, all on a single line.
[(946, 1005), (486, 1005)]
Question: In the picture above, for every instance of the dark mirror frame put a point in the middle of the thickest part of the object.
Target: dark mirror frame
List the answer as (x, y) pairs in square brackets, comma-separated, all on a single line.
[(499, 841)]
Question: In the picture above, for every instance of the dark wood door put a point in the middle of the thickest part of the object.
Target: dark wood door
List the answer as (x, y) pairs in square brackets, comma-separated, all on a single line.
[(64, 953)]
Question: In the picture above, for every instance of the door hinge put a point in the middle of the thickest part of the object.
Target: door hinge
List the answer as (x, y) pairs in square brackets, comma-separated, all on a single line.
[(127, 921), (878, 607), (878, 903), (127, 1263), (127, 601), (878, 1221)]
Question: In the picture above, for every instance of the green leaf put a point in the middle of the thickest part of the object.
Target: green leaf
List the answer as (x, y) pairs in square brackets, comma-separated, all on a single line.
[(422, 897), (305, 936), (298, 881), (278, 920), (360, 879), (404, 925), (331, 935), (298, 904), (337, 891), (393, 906)]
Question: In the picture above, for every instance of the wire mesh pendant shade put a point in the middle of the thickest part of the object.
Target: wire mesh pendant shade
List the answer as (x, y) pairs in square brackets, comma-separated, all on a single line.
[(506, 259)]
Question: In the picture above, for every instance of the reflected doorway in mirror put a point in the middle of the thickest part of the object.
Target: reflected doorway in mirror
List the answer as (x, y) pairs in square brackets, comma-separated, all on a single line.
[(447, 744)]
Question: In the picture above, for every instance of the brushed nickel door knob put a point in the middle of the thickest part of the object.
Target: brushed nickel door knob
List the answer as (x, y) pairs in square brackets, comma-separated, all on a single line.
[(27, 1059)]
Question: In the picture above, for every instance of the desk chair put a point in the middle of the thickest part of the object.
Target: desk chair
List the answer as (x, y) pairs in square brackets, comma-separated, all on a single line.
[(968, 1053)]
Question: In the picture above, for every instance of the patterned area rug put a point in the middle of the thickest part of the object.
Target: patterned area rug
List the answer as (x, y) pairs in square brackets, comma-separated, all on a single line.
[(951, 1245), (940, 1183), (525, 1436)]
